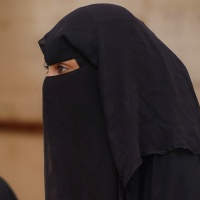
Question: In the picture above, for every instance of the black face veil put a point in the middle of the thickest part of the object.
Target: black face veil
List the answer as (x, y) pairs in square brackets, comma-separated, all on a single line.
[(134, 97)]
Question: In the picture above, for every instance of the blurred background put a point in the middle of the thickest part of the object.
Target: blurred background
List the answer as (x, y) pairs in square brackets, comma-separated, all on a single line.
[(22, 24)]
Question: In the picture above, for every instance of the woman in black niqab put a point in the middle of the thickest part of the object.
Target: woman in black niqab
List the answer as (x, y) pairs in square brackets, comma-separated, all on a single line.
[(126, 124)]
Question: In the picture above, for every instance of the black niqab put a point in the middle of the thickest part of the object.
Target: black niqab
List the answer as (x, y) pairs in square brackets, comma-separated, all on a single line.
[(78, 158), (134, 98)]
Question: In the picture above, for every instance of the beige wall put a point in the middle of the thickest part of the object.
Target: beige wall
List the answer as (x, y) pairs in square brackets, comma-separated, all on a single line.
[(22, 24), (21, 163)]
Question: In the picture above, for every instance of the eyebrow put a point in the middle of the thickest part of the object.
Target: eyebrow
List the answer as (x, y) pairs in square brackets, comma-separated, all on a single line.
[(47, 66), (63, 63)]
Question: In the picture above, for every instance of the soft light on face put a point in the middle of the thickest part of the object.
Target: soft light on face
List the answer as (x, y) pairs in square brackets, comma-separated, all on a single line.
[(62, 67)]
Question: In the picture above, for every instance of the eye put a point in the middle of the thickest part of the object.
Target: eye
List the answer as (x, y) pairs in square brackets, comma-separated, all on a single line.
[(62, 69)]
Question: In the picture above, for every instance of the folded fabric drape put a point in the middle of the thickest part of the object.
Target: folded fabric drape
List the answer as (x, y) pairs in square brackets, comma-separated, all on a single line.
[(143, 89)]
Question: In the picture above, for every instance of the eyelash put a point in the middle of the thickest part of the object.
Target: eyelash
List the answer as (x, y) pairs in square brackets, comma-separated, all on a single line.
[(46, 67), (60, 67)]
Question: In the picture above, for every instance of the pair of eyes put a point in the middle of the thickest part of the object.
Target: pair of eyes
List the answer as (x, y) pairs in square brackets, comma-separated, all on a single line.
[(62, 68)]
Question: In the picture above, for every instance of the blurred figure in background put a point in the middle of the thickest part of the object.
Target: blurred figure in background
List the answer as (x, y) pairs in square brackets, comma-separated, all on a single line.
[(6, 193)]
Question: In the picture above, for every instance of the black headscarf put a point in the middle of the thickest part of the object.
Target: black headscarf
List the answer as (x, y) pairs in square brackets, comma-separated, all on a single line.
[(133, 98)]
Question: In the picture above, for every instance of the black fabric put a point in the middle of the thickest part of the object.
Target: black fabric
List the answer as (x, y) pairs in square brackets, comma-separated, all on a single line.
[(6, 193), (148, 100), (78, 157), (173, 176)]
